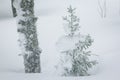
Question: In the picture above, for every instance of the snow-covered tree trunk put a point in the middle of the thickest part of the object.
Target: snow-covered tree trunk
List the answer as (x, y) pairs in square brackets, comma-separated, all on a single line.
[(28, 35), (13, 9)]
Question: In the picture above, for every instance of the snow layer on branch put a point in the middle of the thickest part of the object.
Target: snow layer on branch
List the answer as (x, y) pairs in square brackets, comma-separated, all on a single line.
[(65, 43)]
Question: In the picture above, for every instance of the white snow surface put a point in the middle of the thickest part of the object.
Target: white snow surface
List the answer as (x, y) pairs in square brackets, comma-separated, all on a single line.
[(105, 32)]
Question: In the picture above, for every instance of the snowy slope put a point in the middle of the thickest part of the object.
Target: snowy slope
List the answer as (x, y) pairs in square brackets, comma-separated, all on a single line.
[(105, 33)]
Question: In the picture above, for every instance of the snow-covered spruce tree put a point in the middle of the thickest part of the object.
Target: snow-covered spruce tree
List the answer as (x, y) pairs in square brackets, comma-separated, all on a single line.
[(28, 35), (72, 22), (76, 61), (79, 58)]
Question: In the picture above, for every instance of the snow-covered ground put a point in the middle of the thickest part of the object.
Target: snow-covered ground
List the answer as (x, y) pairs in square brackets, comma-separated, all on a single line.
[(105, 33)]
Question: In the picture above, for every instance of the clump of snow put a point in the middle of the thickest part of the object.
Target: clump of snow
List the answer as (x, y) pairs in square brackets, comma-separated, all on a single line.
[(65, 43)]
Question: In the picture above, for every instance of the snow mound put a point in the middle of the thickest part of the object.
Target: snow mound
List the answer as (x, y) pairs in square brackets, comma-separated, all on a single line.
[(65, 43)]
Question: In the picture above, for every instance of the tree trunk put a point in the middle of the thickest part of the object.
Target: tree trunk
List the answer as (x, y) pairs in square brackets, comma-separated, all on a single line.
[(28, 35), (13, 9), (102, 6)]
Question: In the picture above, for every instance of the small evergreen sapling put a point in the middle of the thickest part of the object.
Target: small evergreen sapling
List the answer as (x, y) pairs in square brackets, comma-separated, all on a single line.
[(78, 56), (72, 22)]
